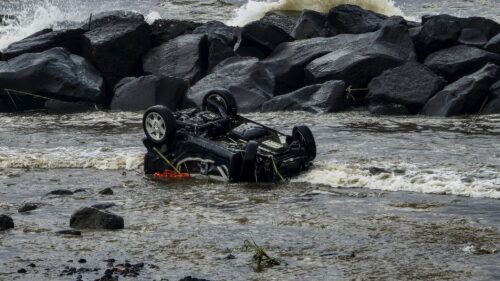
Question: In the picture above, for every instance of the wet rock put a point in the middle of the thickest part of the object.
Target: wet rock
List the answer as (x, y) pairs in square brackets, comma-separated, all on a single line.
[(217, 29), (437, 33), (283, 19), (358, 58), (92, 218), (472, 37), (494, 44), (79, 190), (53, 74), (70, 232), (69, 39), (411, 85), (164, 30), (116, 43), (456, 62), (103, 206), (353, 20), (22, 271), (189, 278), (493, 103), (32, 265), (134, 94), (465, 96), (258, 39), (106, 191), (64, 107), (6, 222), (486, 26), (327, 97), (27, 207), (181, 57), (245, 78), (310, 24), (388, 109), (218, 51), (61, 192), (82, 261)]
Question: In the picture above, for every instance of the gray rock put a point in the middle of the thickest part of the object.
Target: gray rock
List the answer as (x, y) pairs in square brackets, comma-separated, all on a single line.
[(27, 207), (352, 19), (134, 94), (327, 97), (456, 62), (472, 37), (92, 218), (116, 43), (310, 24), (6, 222), (436, 33), (258, 39), (245, 78), (411, 85), (493, 103), (494, 44), (465, 96)]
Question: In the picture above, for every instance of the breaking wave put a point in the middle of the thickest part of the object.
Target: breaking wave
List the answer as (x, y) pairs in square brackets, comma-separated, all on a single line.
[(254, 10)]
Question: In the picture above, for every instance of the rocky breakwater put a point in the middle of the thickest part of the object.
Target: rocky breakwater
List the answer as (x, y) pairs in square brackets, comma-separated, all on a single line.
[(319, 62)]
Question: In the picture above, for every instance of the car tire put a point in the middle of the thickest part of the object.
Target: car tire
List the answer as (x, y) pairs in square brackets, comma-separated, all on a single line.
[(159, 125), (304, 136), (223, 98), (249, 163)]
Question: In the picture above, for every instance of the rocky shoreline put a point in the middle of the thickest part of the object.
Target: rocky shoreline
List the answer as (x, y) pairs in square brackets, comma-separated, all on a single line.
[(347, 58)]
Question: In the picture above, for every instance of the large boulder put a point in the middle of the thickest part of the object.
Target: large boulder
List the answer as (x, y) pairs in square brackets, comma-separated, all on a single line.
[(182, 57), (229, 34), (6, 222), (69, 39), (493, 104), (218, 50), (437, 33), (486, 26), (116, 43), (245, 78), (328, 97), (283, 19), (53, 74), (164, 30), (494, 44), (456, 62), (258, 39), (134, 94), (310, 24), (411, 85), (472, 37), (92, 218), (353, 20), (358, 58), (465, 96)]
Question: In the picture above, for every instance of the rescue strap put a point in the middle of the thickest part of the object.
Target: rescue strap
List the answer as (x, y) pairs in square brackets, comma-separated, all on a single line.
[(167, 174)]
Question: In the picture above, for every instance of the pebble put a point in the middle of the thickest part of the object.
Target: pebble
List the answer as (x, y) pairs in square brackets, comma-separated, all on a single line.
[(106, 191), (61, 192), (27, 207), (22, 270)]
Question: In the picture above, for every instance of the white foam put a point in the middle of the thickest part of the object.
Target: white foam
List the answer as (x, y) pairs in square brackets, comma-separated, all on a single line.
[(254, 10)]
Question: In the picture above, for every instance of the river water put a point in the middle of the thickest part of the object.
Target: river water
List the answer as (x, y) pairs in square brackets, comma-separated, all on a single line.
[(389, 198)]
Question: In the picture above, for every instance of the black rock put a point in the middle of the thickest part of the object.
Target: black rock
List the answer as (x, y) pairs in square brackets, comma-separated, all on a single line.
[(103, 206), (310, 24), (328, 97), (493, 103), (245, 78), (61, 192), (465, 96), (456, 62), (182, 57), (65, 107), (356, 59), (258, 39), (353, 20), (27, 207), (69, 39), (32, 265), (106, 191), (283, 19), (134, 94), (82, 261), (6, 222), (411, 85), (218, 51), (22, 271), (486, 26), (69, 232), (80, 190), (189, 278), (388, 109), (437, 33), (472, 37), (92, 218), (217, 29), (164, 30), (116, 43), (53, 74), (494, 44)]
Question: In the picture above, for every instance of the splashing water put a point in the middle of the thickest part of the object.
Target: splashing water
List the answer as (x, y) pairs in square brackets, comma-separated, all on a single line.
[(255, 10)]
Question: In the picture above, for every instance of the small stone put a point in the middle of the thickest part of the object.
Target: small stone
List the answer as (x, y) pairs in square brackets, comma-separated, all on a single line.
[(106, 191), (69, 232), (32, 265), (230, 257), (27, 207), (61, 192), (6, 222), (82, 261), (22, 270)]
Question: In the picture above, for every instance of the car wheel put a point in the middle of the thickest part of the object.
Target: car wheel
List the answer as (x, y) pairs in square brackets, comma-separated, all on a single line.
[(225, 100), (304, 136), (249, 163), (159, 125)]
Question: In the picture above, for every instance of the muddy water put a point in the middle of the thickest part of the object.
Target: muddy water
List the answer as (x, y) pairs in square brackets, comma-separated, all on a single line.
[(342, 220)]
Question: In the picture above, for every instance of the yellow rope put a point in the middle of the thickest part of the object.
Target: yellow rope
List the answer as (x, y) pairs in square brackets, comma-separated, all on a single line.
[(276, 169), (166, 160)]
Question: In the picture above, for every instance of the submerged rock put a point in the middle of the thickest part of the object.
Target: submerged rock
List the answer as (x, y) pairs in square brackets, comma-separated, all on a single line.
[(411, 85), (27, 207), (6, 222), (106, 191), (61, 192), (92, 218), (465, 96), (69, 232)]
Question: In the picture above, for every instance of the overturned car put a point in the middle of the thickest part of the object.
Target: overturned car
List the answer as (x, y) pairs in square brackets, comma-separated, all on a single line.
[(215, 141)]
